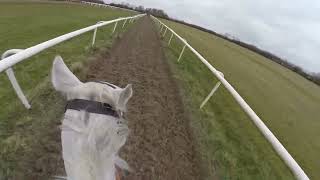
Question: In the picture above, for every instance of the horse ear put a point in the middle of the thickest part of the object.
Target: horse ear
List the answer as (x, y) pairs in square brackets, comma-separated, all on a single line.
[(124, 97), (62, 78)]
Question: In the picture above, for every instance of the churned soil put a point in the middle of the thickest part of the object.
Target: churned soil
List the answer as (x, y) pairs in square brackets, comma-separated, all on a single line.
[(160, 144)]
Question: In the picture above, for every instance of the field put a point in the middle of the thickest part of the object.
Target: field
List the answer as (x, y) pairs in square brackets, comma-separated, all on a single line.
[(26, 134), (230, 144)]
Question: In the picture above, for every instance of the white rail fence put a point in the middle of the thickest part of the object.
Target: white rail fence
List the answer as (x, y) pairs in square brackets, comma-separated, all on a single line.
[(14, 56), (277, 146)]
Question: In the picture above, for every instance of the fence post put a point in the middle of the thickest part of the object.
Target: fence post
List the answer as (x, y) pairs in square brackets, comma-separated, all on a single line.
[(94, 36), (161, 28), (170, 39), (215, 88), (270, 137), (164, 34), (13, 79), (124, 23), (115, 26), (184, 47)]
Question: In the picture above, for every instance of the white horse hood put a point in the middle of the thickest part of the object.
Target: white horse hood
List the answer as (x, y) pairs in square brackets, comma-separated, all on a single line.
[(90, 150), (91, 141)]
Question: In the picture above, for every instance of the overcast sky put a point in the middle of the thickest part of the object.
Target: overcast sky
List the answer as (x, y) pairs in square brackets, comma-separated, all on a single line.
[(288, 28)]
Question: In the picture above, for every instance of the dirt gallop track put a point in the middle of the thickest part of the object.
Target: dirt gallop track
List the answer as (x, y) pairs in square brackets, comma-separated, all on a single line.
[(159, 145)]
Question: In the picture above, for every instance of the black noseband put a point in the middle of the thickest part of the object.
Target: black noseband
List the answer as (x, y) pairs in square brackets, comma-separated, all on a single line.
[(91, 107)]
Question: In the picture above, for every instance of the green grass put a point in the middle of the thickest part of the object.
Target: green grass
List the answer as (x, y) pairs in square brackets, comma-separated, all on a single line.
[(28, 149), (231, 145)]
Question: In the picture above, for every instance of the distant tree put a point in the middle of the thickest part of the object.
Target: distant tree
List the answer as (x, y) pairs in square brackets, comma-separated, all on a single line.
[(152, 11), (123, 5), (140, 9), (314, 77), (157, 12), (95, 1)]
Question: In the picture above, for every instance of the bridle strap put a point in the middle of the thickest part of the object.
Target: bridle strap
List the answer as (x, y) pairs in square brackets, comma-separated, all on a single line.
[(91, 107), (106, 83)]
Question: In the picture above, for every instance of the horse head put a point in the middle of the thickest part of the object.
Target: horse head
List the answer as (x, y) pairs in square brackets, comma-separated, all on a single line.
[(93, 128)]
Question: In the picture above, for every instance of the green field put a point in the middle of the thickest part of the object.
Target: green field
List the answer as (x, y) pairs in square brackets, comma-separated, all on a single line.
[(28, 149), (230, 144)]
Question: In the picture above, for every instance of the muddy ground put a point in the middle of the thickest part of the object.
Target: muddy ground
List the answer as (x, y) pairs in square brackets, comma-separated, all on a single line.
[(160, 143)]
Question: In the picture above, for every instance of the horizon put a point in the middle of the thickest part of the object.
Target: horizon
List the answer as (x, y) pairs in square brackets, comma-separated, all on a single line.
[(279, 34)]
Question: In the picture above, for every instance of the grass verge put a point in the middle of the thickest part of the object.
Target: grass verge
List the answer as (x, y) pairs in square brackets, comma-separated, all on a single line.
[(30, 139), (231, 145)]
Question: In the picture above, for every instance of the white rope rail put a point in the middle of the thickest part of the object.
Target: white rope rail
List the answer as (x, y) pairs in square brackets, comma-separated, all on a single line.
[(277, 146), (14, 56)]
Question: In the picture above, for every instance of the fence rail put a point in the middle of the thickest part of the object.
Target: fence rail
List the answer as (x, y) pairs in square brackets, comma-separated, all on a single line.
[(272, 139), (14, 56)]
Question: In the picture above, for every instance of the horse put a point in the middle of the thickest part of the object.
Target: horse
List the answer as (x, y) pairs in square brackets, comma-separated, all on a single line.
[(94, 127)]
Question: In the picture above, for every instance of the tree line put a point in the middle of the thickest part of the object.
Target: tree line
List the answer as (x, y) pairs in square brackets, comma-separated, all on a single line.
[(314, 77), (152, 11)]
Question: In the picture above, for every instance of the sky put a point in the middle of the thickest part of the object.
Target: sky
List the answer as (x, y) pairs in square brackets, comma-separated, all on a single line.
[(287, 28)]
